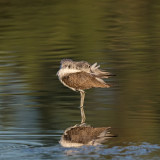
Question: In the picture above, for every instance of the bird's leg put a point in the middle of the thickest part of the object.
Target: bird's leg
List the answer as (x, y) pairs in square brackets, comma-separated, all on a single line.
[(83, 117)]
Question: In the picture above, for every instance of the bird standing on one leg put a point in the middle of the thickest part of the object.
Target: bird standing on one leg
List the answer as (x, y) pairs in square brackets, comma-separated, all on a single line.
[(79, 76)]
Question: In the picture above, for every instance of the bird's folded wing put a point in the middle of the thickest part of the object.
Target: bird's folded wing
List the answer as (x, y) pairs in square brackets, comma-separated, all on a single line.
[(83, 80)]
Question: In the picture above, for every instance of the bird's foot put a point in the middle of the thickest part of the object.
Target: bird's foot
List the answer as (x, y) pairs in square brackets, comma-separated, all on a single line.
[(84, 125), (81, 125)]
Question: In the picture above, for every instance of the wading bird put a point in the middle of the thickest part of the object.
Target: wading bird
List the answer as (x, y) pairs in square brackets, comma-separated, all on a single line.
[(80, 76)]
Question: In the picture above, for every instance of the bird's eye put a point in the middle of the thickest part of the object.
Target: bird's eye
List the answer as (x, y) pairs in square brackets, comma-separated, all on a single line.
[(69, 66)]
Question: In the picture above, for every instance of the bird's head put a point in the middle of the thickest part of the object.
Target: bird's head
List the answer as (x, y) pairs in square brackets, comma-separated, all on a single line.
[(66, 63)]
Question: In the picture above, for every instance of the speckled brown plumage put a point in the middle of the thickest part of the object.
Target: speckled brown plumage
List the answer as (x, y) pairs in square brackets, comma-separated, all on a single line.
[(82, 81)]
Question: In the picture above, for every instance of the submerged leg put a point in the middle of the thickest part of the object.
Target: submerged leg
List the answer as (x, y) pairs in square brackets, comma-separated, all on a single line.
[(83, 117)]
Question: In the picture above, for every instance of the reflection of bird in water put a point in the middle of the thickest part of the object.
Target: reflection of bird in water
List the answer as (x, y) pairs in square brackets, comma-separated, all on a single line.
[(77, 136), (79, 76)]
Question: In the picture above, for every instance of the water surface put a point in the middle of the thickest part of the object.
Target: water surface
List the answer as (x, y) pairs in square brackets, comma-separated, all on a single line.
[(35, 108)]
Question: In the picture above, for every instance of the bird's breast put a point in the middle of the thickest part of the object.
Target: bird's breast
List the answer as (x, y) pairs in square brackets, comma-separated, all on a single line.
[(65, 71)]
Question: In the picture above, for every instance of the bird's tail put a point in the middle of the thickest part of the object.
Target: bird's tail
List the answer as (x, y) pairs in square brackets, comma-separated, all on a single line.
[(99, 73)]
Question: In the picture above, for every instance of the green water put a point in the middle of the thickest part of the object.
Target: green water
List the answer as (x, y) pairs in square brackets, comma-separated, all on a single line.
[(35, 108)]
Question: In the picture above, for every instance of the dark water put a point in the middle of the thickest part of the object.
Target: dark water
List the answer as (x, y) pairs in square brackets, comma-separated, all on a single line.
[(35, 108)]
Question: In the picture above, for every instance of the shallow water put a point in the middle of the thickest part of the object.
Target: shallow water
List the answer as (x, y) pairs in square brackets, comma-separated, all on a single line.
[(35, 108)]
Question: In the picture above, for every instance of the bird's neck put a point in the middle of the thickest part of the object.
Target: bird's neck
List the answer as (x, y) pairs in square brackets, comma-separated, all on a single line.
[(65, 71)]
